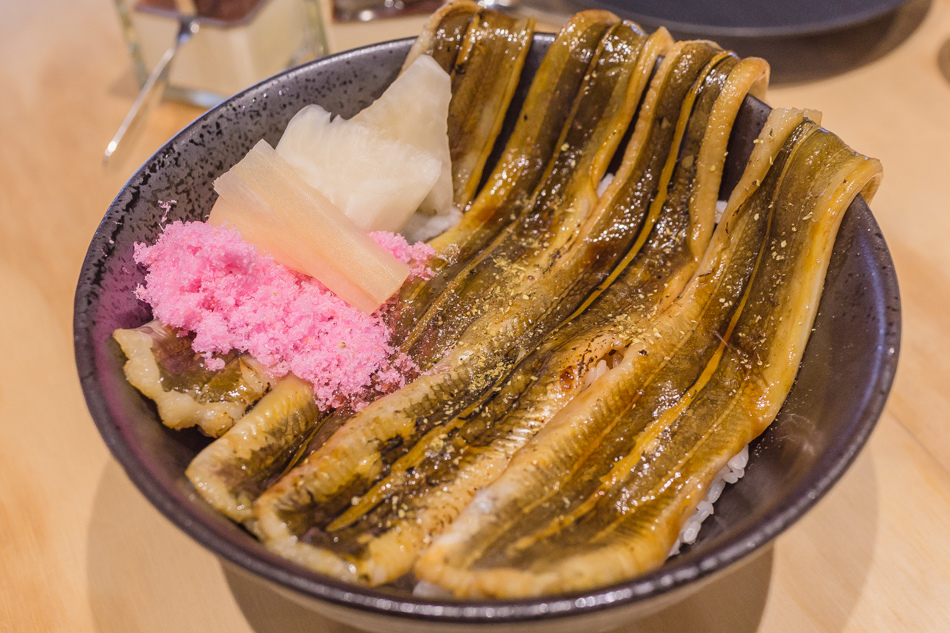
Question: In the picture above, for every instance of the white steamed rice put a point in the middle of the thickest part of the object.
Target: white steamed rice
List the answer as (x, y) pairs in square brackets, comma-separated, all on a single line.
[(730, 474)]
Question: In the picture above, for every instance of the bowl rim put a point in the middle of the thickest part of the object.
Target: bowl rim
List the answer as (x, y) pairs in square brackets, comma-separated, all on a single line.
[(673, 575)]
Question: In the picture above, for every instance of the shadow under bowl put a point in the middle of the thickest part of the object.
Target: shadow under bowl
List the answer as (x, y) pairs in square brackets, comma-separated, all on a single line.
[(846, 373)]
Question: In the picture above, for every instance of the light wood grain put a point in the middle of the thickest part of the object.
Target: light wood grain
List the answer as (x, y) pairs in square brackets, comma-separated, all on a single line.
[(82, 551)]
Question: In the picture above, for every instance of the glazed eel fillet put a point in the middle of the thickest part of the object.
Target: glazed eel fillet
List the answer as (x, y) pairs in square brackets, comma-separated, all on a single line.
[(162, 365), (525, 251), (291, 513), (442, 36), (600, 494), (425, 490), (232, 472), (484, 51), (261, 425), (509, 189), (558, 368)]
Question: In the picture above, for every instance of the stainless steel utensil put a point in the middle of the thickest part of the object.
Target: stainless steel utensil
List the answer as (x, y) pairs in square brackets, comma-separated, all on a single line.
[(154, 87)]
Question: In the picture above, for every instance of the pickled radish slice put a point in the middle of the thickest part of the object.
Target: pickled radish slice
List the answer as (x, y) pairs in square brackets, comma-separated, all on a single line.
[(376, 180), (415, 109), (274, 209)]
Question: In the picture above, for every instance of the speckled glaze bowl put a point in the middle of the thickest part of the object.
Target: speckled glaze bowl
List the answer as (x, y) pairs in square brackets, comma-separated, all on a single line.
[(846, 373)]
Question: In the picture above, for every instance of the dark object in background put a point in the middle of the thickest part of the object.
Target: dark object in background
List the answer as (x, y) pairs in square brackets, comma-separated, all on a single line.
[(366, 10), (803, 40), (221, 12), (748, 18)]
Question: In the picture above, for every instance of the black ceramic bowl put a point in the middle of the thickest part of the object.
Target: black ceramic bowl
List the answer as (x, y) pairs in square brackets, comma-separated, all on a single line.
[(841, 389)]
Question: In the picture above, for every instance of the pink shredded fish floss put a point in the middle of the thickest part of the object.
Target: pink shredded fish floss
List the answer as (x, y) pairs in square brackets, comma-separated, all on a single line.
[(207, 280)]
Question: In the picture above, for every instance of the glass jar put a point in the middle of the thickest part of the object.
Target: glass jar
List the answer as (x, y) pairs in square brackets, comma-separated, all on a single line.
[(239, 43)]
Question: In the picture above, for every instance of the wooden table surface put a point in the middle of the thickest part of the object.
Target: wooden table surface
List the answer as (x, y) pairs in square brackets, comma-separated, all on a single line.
[(81, 550)]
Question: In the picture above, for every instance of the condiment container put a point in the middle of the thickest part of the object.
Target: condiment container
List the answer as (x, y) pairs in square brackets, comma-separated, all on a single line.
[(239, 43)]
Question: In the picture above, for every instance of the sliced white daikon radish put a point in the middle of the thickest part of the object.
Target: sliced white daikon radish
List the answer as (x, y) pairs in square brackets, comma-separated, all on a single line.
[(273, 208), (415, 109), (375, 179)]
